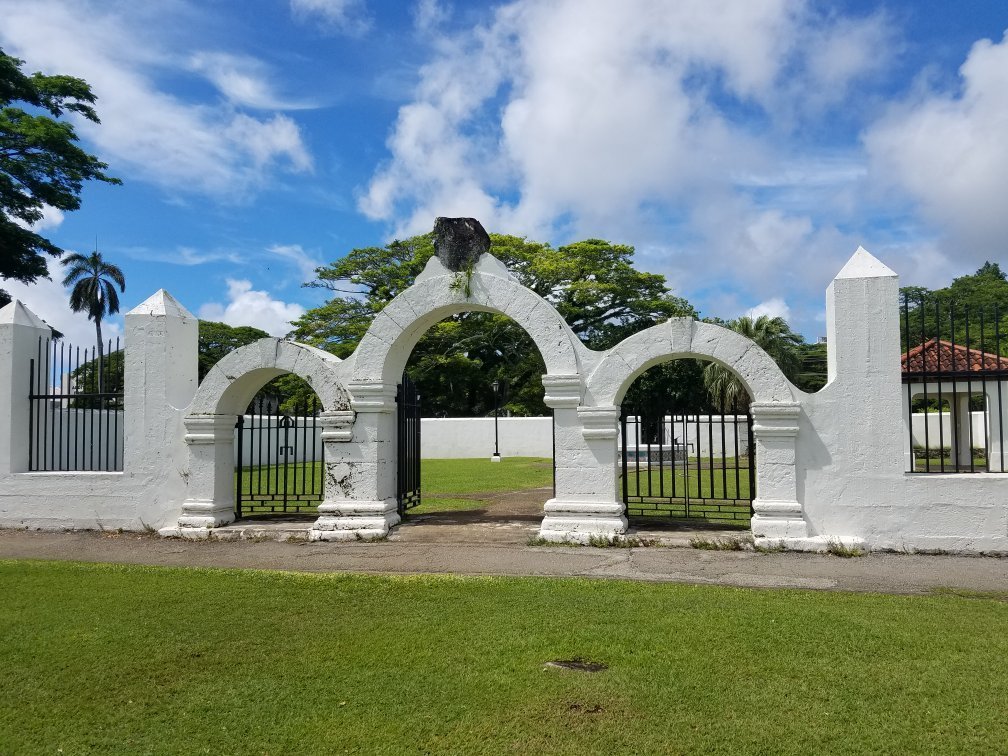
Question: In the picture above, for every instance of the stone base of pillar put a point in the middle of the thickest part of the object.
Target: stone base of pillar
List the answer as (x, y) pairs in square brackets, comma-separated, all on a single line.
[(778, 519), (582, 521), (202, 515), (354, 520)]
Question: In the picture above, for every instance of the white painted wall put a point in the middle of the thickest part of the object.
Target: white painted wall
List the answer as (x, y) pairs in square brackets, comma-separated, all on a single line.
[(939, 429), (460, 438), (160, 380), (830, 466)]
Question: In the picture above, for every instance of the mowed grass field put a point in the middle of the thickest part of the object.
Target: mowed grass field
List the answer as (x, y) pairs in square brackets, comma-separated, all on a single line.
[(442, 481), (127, 659)]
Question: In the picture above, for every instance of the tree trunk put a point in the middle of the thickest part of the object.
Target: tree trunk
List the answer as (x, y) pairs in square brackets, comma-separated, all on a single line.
[(101, 355)]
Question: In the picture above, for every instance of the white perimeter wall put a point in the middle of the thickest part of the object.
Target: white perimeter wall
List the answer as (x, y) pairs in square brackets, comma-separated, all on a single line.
[(464, 437)]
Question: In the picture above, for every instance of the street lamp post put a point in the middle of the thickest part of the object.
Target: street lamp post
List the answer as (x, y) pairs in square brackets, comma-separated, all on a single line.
[(496, 390)]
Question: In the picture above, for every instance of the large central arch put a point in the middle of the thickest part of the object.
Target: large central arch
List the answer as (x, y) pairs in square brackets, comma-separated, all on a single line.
[(438, 294)]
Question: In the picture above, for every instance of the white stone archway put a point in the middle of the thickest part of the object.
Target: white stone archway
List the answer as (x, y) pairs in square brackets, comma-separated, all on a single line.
[(363, 468), (775, 407), (225, 393)]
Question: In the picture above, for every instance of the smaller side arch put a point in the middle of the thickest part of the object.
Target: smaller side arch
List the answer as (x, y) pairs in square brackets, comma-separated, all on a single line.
[(231, 383), (680, 338)]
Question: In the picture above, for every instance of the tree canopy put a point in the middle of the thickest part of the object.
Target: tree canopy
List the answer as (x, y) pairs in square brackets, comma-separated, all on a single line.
[(592, 283), (41, 163), (976, 304)]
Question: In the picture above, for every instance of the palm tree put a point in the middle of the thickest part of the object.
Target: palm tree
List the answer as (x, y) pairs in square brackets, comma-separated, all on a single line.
[(94, 282), (776, 338)]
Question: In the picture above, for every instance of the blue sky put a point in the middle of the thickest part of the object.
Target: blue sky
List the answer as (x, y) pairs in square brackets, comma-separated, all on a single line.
[(744, 147)]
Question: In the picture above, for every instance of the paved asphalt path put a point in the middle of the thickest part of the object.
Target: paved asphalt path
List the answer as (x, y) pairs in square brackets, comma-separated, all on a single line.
[(453, 552)]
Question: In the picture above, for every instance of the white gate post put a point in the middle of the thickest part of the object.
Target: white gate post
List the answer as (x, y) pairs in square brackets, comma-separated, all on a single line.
[(20, 330), (360, 495), (210, 498), (585, 503), (777, 513)]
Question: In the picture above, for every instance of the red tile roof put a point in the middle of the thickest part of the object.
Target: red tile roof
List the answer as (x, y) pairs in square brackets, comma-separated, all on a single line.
[(936, 356)]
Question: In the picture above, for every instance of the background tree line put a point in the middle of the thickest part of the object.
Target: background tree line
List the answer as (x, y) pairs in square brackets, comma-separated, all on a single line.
[(592, 283)]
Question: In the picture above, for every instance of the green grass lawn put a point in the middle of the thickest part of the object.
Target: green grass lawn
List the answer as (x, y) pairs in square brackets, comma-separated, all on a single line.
[(440, 478), (126, 659), (714, 483)]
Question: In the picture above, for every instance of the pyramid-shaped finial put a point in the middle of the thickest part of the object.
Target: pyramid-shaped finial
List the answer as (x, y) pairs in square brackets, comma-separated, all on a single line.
[(863, 264), (161, 303)]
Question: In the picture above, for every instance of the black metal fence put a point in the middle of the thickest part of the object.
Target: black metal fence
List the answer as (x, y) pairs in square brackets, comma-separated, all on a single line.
[(280, 461), (954, 372), (694, 467), (407, 445), (75, 418)]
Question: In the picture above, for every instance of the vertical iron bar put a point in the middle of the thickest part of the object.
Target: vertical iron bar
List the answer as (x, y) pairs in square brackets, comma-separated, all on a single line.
[(258, 425), (984, 403), (724, 462), (710, 452), (955, 386), (997, 340), (31, 414), (648, 442), (50, 358), (286, 448), (62, 412), (661, 455), (104, 401), (239, 425), (969, 388), (314, 449), (909, 388), (941, 400), (623, 449), (46, 408), (924, 370)]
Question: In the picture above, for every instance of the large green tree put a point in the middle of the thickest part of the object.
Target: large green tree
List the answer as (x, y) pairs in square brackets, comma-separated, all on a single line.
[(972, 310), (41, 163), (592, 283)]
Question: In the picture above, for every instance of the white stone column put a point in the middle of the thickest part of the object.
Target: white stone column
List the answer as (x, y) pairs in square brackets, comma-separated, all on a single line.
[(360, 497), (161, 376), (210, 496), (777, 511), (20, 331), (586, 503)]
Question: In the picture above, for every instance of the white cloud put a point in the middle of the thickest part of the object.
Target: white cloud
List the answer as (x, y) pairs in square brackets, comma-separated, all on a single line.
[(774, 308), (948, 151), (429, 14), (305, 262), (51, 302), (242, 79), (531, 130), (248, 307), (347, 16), (210, 148), (51, 218)]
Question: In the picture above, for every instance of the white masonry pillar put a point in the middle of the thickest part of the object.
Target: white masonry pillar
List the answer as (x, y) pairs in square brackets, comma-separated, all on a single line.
[(360, 486), (586, 503), (20, 331)]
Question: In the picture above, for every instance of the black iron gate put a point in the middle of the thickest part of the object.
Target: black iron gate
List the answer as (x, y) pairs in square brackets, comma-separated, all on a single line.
[(691, 467), (280, 458), (408, 445)]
